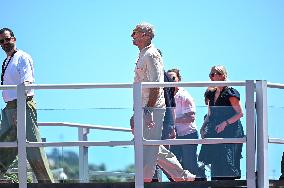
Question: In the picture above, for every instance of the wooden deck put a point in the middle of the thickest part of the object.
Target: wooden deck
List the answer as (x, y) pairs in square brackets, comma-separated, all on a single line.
[(197, 184)]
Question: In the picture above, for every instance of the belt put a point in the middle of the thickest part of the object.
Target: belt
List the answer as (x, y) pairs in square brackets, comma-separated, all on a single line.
[(13, 103)]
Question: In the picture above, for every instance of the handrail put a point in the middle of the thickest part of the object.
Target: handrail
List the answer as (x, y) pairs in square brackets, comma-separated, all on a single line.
[(276, 140), (139, 142), (79, 86), (80, 125), (195, 141), (8, 144), (79, 143), (130, 85), (192, 84), (8, 87), (275, 85)]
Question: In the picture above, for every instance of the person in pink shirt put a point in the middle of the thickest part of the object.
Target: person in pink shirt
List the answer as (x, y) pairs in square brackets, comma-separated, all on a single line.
[(185, 125)]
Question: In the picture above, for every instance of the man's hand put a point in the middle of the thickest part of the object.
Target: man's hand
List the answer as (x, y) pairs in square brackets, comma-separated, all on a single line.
[(132, 124), (173, 134), (148, 118)]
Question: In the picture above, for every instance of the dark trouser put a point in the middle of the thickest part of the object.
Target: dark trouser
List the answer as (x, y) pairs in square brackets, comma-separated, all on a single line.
[(186, 154), (226, 163), (282, 168), (168, 123), (8, 133)]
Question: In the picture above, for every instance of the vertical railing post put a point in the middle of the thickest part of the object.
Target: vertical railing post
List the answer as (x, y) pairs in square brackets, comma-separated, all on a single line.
[(138, 135), (21, 135), (83, 156), (250, 134), (262, 134)]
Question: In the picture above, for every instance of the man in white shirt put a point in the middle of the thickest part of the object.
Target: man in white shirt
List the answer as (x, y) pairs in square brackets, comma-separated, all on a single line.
[(18, 68), (150, 68)]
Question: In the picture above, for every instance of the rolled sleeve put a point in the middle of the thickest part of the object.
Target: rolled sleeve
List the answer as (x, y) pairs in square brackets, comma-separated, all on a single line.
[(153, 63), (189, 106), (26, 69)]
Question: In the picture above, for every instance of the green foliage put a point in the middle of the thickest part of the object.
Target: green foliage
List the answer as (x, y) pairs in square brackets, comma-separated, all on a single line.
[(69, 161), (13, 176)]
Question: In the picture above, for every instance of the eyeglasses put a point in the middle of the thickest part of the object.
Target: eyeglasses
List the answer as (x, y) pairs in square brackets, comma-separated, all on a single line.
[(213, 74), (5, 40)]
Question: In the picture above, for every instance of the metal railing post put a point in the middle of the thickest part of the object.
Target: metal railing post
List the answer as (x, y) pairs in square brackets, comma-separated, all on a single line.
[(262, 134), (83, 156), (21, 135), (138, 135), (250, 134)]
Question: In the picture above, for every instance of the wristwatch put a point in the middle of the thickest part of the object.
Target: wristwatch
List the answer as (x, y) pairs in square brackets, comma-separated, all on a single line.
[(147, 111)]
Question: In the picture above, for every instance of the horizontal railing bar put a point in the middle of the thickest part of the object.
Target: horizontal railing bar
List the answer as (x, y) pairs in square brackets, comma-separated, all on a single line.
[(79, 86), (192, 84), (79, 143), (8, 144), (195, 141), (275, 85), (104, 173), (126, 85), (146, 142), (101, 127), (8, 87), (276, 140)]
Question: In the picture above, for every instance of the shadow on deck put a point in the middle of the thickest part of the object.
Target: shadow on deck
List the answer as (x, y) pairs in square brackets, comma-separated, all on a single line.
[(197, 184)]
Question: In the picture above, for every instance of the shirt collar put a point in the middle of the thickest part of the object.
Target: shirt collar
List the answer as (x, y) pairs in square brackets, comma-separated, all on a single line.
[(146, 48)]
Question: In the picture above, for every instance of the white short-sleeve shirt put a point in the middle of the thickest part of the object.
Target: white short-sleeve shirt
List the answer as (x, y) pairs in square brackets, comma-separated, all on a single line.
[(184, 104), (19, 70)]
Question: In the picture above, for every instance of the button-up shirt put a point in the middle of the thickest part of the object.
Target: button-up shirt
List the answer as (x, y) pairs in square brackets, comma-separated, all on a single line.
[(19, 70), (150, 68)]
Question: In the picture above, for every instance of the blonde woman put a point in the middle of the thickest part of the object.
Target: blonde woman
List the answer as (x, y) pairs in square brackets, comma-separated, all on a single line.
[(222, 121)]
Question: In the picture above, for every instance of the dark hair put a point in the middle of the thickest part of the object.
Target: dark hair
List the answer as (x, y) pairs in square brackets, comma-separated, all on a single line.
[(7, 29), (207, 93), (175, 71)]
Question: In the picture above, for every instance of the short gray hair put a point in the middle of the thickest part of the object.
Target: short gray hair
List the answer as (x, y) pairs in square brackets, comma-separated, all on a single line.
[(147, 28)]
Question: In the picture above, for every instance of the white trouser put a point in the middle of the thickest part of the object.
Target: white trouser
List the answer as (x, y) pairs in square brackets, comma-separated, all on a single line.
[(159, 154)]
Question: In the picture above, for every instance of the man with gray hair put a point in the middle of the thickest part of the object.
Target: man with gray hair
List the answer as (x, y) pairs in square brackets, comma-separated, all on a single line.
[(150, 68)]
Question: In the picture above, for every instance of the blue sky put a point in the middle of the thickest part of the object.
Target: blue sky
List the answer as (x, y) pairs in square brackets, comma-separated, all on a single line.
[(88, 41)]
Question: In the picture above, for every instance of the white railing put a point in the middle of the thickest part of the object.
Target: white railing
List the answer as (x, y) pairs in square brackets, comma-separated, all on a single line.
[(251, 87), (250, 125), (83, 130)]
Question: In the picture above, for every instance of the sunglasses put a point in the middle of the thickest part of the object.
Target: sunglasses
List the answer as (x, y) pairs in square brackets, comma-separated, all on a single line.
[(138, 31), (213, 74), (5, 40)]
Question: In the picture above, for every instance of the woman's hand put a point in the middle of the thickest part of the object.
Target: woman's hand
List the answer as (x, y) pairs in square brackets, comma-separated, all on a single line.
[(202, 131), (219, 128)]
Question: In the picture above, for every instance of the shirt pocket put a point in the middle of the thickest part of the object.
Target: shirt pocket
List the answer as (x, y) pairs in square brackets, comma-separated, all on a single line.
[(140, 72)]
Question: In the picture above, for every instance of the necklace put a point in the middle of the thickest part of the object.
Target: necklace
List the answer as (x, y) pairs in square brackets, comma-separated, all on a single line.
[(5, 65)]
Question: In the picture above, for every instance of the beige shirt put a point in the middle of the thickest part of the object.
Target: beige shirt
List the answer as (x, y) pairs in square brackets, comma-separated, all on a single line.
[(150, 68)]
